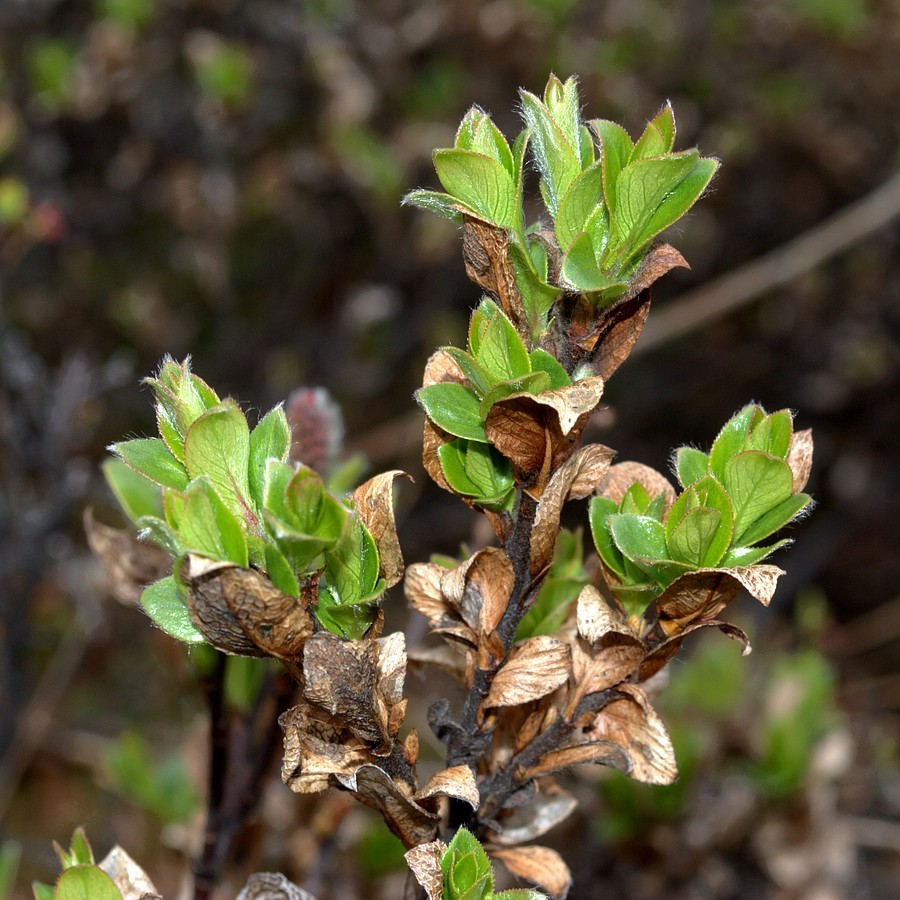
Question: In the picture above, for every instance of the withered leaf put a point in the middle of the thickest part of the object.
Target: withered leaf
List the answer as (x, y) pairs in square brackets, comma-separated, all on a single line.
[(604, 753), (597, 617), (457, 781), (240, 611), (623, 475), (539, 865), (391, 666), (491, 578), (703, 594), (422, 587), (130, 565), (632, 723), (375, 504), (537, 668), (411, 747), (374, 787), (432, 441), (425, 863), (612, 659), (486, 256), (576, 479), (272, 886), (800, 457), (131, 880), (441, 368), (661, 259), (662, 653), (546, 809)]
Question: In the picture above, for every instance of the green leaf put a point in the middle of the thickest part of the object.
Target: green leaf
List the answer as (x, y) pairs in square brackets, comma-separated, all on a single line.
[(650, 143), (436, 202), (452, 456), (581, 271), (159, 532), (576, 206), (698, 538), (500, 348), (774, 520), (615, 152), (520, 894), (564, 105), (79, 852), (280, 572), (705, 492), (636, 597), (137, 495), (635, 500), (542, 361), (466, 869), (773, 434), (756, 484), (151, 458), (453, 408), (531, 384), (478, 133), (489, 471), (271, 439), (352, 566), (209, 528), (664, 120), (732, 439), (217, 446), (351, 622), (599, 511), (86, 882), (691, 465), (749, 556), (550, 609), (165, 605), (638, 537), (41, 891), (482, 380), (537, 295), (481, 183)]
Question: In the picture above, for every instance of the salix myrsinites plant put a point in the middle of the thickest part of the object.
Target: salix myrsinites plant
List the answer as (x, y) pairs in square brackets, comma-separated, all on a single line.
[(552, 656)]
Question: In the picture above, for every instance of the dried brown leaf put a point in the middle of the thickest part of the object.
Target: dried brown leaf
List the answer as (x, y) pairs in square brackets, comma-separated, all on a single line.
[(800, 457), (272, 886), (537, 668), (597, 616), (411, 747), (432, 440), (131, 880), (486, 256), (661, 259), (391, 667), (374, 787), (129, 564), (623, 475), (491, 578), (441, 368), (664, 652), (539, 865), (425, 863), (604, 753), (457, 781), (546, 809), (613, 658), (422, 587), (575, 479), (240, 611), (374, 501), (632, 723)]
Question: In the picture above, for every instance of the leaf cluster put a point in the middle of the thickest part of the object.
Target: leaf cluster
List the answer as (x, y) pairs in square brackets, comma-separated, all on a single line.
[(210, 486), (743, 491)]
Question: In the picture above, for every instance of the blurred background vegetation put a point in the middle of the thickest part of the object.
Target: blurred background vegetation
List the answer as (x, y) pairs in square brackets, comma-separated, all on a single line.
[(222, 178)]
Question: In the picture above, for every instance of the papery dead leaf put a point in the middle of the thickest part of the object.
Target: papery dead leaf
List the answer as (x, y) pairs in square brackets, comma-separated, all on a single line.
[(703, 594), (130, 565), (612, 659), (491, 578), (374, 501), (623, 475), (604, 753), (486, 256), (632, 723), (449, 658), (800, 457), (272, 886), (575, 479), (539, 865), (131, 880), (433, 438), (240, 611), (374, 787), (442, 368), (457, 781), (391, 666), (661, 259), (537, 668), (425, 863), (422, 587), (411, 747), (596, 616), (546, 809), (661, 654)]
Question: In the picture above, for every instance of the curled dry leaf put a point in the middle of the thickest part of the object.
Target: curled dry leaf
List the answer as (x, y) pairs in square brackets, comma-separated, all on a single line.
[(422, 587), (550, 805), (536, 668), (596, 616), (442, 368), (661, 259), (457, 781), (486, 256), (623, 475), (425, 863), (374, 502), (662, 653), (374, 787), (632, 723), (272, 886), (800, 457), (598, 667), (539, 865), (130, 565), (240, 611), (604, 753), (131, 880), (576, 479), (490, 578), (702, 595)]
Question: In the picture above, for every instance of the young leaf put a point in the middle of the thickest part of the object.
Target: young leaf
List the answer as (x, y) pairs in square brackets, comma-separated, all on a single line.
[(482, 380), (698, 538), (489, 471), (650, 143), (749, 556), (542, 361), (452, 455), (477, 132), (280, 572), (774, 520), (538, 295), (580, 200), (209, 528), (615, 152), (638, 537), (86, 882), (137, 495), (271, 439), (165, 605), (151, 458), (732, 438), (690, 465), (756, 484), (773, 434), (599, 511), (453, 408), (435, 201), (534, 384), (481, 183), (217, 446), (501, 350), (581, 271)]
